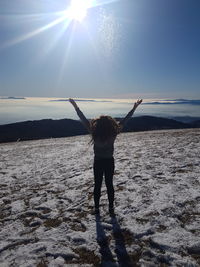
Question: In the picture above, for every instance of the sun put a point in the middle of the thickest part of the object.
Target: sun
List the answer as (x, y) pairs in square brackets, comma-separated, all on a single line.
[(78, 9)]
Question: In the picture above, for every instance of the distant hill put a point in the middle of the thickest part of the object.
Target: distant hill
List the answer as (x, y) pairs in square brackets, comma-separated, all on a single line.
[(146, 123), (186, 119), (48, 128), (32, 130), (196, 124)]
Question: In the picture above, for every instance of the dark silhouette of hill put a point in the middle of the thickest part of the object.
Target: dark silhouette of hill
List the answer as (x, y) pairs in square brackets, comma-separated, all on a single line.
[(31, 130), (48, 128), (196, 124), (186, 119), (147, 123)]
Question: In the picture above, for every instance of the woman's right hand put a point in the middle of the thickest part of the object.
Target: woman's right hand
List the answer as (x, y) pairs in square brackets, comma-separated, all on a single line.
[(73, 103)]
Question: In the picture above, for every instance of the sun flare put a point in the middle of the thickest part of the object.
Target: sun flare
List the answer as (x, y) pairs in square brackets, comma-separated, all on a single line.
[(78, 9)]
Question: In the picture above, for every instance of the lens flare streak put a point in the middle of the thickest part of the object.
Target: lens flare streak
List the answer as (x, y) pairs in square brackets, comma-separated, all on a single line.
[(33, 33), (76, 11)]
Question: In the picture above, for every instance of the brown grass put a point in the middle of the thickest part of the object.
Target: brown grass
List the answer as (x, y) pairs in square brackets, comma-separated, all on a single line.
[(49, 223), (42, 263), (86, 257)]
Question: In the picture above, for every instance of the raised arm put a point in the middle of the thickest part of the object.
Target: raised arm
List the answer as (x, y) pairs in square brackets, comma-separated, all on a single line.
[(130, 114), (80, 114)]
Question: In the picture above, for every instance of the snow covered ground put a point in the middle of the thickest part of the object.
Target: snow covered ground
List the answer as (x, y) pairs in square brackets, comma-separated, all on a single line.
[(46, 201)]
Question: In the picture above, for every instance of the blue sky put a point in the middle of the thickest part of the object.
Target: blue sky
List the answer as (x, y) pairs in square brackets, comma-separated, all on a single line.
[(127, 48)]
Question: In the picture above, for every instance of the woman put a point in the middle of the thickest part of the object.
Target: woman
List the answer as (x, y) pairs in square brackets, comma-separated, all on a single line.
[(104, 131)]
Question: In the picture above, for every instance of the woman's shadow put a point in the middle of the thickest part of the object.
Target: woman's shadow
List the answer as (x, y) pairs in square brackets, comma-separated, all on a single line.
[(107, 259)]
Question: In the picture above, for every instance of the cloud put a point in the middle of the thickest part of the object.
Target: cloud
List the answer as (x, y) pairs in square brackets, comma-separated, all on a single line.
[(12, 97), (174, 102), (81, 100)]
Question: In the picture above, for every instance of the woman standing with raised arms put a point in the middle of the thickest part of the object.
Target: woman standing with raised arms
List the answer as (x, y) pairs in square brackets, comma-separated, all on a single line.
[(104, 131)]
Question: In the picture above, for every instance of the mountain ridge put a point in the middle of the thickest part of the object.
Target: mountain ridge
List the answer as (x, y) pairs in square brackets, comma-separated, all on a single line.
[(49, 128)]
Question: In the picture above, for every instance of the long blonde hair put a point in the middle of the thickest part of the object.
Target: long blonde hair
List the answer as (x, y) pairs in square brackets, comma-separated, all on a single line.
[(104, 129)]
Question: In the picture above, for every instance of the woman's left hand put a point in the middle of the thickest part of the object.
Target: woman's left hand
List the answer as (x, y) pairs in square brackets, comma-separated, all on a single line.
[(137, 103)]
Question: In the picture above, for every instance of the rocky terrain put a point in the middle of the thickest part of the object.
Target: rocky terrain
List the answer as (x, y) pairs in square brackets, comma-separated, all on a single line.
[(46, 202)]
